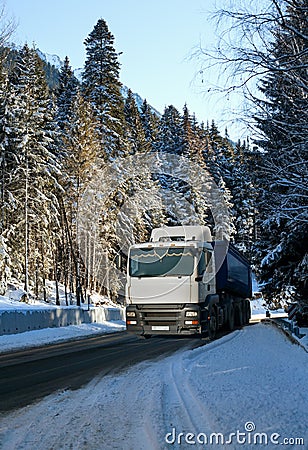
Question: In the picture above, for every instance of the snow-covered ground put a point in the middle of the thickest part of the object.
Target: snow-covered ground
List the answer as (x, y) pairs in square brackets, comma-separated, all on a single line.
[(45, 336), (259, 309), (11, 302), (248, 386)]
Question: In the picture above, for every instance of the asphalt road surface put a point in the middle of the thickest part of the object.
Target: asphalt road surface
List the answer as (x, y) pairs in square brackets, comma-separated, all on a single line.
[(28, 375)]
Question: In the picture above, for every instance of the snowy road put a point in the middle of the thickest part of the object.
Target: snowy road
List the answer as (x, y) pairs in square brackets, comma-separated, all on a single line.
[(27, 375), (249, 386)]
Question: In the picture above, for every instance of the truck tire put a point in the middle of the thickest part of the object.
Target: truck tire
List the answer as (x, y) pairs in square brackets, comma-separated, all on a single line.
[(239, 315), (212, 324), (248, 311), (230, 321), (245, 313)]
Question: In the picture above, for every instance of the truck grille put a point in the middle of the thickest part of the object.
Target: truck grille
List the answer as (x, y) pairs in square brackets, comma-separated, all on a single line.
[(151, 315)]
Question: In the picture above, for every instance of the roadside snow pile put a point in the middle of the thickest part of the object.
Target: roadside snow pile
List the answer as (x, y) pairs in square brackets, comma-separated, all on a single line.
[(15, 297), (258, 306), (13, 303), (37, 338), (246, 390), (300, 334), (47, 320), (259, 310), (304, 339)]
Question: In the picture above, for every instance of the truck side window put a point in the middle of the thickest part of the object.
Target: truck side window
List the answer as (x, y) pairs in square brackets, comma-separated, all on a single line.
[(201, 264), (208, 258)]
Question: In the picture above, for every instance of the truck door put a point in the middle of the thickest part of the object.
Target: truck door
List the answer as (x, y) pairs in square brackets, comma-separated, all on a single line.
[(206, 274)]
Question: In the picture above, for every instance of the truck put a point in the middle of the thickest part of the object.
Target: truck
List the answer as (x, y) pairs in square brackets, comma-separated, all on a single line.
[(182, 282)]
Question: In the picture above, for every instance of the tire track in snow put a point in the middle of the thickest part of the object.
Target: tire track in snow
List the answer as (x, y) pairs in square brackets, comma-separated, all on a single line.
[(183, 409)]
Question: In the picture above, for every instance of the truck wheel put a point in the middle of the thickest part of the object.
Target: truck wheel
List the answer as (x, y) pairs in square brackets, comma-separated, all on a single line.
[(145, 336), (239, 316), (248, 311), (230, 321), (212, 324)]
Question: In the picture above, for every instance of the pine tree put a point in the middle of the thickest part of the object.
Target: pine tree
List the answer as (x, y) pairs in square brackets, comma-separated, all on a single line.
[(33, 172), (168, 146), (8, 155), (190, 134), (216, 155), (134, 131), (150, 124), (67, 91), (6, 163), (240, 181), (282, 118), (169, 138), (102, 88), (81, 144)]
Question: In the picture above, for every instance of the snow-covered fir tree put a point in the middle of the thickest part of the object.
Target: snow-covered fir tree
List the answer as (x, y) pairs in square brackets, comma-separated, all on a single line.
[(134, 131), (169, 141), (66, 93), (32, 191), (102, 87), (216, 154), (169, 137), (150, 123), (81, 160), (282, 118), (240, 181)]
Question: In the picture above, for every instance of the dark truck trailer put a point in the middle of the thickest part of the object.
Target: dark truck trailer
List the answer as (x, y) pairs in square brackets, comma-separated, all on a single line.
[(233, 284), (183, 282), (233, 270)]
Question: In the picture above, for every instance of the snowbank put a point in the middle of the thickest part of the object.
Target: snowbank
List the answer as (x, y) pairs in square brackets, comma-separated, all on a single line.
[(17, 316), (13, 303), (15, 295), (259, 311), (36, 313), (45, 336)]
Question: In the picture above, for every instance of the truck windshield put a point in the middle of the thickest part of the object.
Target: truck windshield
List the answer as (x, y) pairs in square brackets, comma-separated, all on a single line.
[(157, 262)]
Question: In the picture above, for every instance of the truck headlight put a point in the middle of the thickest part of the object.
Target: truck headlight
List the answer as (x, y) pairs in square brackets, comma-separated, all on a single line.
[(130, 314), (191, 314)]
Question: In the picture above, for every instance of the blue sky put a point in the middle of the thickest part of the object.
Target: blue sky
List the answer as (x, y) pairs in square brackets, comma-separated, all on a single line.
[(157, 39)]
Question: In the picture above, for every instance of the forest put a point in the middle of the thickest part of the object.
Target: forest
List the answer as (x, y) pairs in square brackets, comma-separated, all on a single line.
[(85, 171)]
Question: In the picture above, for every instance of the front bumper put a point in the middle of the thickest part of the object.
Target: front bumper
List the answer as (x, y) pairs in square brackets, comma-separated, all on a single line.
[(163, 319)]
